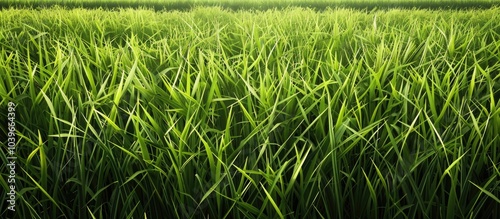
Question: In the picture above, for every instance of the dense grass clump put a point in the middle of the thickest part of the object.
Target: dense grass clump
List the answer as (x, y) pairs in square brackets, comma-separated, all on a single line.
[(253, 114)]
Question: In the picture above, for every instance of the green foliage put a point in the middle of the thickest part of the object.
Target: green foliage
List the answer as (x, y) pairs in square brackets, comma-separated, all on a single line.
[(253, 114), (253, 4)]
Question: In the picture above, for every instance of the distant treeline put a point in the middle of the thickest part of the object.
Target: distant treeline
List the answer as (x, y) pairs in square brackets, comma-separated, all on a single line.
[(253, 4)]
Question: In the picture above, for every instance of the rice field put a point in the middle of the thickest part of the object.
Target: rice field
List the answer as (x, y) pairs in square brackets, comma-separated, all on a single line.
[(186, 5), (282, 113)]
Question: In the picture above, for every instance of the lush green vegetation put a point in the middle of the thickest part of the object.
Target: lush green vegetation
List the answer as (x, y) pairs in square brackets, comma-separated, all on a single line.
[(253, 114), (254, 4)]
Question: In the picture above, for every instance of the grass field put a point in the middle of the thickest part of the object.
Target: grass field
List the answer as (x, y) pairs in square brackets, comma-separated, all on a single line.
[(186, 5), (283, 113)]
